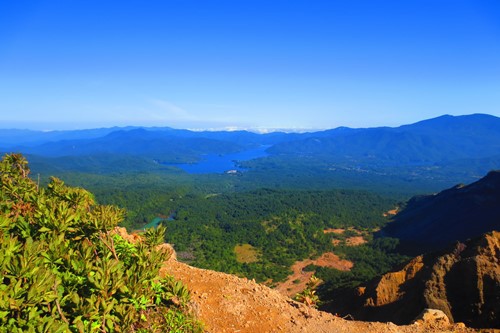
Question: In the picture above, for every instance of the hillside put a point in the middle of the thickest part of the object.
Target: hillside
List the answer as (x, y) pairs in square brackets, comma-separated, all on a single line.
[(463, 281), (63, 268), (430, 222)]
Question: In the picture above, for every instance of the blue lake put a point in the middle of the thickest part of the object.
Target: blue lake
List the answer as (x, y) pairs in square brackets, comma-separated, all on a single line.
[(214, 163)]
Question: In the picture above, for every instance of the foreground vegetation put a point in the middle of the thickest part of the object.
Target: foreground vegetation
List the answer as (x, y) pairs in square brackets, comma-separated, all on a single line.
[(62, 269)]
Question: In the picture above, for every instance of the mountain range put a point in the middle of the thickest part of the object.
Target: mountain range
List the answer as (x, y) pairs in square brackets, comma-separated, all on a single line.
[(462, 280), (437, 140), (440, 139), (438, 152)]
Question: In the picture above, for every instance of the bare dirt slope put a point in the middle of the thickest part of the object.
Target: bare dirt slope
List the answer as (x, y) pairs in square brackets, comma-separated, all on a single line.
[(226, 303), (297, 282)]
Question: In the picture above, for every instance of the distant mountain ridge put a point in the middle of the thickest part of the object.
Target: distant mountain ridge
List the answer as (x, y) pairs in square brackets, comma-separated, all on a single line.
[(456, 135), (441, 150), (430, 141), (137, 142), (24, 137)]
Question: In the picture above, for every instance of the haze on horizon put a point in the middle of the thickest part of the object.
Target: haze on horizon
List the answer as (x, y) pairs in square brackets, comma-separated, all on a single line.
[(249, 64)]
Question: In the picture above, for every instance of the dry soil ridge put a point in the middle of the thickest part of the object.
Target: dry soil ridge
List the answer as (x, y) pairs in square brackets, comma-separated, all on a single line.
[(226, 303)]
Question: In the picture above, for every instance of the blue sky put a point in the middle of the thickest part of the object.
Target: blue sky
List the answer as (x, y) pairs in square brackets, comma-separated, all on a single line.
[(246, 63)]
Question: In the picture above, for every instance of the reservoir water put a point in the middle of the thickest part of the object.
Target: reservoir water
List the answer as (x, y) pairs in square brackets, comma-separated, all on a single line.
[(214, 163)]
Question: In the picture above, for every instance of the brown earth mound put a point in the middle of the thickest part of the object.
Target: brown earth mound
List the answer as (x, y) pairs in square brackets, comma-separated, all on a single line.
[(463, 282)]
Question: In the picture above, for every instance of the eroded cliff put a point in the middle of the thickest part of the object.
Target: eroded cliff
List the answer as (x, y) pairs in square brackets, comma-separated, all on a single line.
[(463, 282)]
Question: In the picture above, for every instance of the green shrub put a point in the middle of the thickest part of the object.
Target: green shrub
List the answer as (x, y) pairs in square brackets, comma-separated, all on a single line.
[(62, 269)]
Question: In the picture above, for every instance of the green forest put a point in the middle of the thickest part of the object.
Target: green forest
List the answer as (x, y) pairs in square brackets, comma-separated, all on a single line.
[(208, 215), (284, 226)]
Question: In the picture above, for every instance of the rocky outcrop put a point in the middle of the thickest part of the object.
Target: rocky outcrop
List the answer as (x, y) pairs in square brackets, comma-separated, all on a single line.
[(463, 282), (432, 316), (428, 223)]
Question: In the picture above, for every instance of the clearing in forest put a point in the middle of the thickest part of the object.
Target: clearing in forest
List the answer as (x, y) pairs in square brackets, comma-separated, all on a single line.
[(246, 253), (349, 241), (391, 212), (337, 231), (355, 241)]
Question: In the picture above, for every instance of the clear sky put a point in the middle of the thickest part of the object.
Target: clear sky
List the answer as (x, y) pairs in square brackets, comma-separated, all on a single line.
[(246, 63)]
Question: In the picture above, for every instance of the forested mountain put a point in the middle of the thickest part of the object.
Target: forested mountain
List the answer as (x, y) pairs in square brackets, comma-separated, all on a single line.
[(441, 139), (138, 142), (11, 138)]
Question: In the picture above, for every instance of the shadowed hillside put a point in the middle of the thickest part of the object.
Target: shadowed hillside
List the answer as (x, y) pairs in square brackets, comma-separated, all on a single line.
[(430, 222)]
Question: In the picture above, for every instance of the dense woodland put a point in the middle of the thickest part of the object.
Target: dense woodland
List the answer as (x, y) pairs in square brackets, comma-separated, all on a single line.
[(284, 226), (211, 217)]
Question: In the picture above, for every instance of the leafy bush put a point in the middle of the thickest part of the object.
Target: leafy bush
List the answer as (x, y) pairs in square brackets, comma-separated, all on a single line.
[(62, 269), (308, 296)]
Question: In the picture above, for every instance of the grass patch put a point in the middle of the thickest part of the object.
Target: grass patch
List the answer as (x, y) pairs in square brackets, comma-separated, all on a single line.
[(246, 253)]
